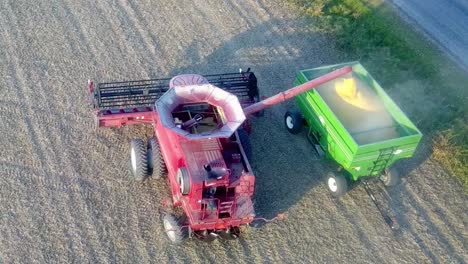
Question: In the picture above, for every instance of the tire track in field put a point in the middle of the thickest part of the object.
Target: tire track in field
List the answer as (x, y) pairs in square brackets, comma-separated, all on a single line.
[(134, 18), (125, 36), (143, 208), (445, 218), (83, 35), (432, 229), (277, 45), (82, 220), (148, 218), (15, 229), (56, 157), (159, 23), (222, 33), (34, 135), (102, 239), (109, 54), (41, 127), (433, 225)]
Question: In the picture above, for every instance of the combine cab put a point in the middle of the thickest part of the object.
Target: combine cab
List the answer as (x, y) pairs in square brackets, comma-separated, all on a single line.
[(200, 143)]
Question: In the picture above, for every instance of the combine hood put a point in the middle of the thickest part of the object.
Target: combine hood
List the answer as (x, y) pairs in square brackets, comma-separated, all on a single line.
[(230, 108)]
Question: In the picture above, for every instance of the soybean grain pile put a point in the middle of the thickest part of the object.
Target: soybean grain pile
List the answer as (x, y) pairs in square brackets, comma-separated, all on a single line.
[(66, 195)]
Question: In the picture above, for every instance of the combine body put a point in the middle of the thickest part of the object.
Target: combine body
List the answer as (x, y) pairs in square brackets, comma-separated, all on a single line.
[(201, 142)]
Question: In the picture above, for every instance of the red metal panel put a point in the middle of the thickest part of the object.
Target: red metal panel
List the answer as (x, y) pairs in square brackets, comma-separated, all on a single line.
[(121, 118)]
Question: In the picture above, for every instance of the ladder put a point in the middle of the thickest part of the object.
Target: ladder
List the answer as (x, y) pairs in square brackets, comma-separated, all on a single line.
[(383, 159), (226, 207), (380, 164)]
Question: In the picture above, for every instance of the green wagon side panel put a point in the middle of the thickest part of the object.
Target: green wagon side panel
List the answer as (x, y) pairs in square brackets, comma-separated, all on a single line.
[(337, 142)]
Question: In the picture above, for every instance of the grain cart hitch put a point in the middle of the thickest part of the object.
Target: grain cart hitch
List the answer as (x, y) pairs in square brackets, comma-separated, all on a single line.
[(384, 214)]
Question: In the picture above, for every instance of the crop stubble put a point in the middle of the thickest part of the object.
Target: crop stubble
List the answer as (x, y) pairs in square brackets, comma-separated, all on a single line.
[(66, 194)]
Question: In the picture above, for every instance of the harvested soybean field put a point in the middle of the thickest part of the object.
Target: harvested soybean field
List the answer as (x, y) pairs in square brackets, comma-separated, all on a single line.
[(67, 195)]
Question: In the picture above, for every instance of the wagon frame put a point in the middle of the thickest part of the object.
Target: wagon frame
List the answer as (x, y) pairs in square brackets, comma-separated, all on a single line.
[(354, 162)]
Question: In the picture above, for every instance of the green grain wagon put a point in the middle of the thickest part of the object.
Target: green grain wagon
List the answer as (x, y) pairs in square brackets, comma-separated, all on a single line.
[(364, 141)]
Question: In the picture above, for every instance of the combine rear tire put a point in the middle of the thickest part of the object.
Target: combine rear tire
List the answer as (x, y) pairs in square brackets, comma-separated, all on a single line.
[(156, 165), (390, 177), (138, 160), (173, 228), (293, 121), (337, 185), (184, 181)]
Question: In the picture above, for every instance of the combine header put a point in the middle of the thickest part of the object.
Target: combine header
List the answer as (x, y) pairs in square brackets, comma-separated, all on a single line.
[(200, 142)]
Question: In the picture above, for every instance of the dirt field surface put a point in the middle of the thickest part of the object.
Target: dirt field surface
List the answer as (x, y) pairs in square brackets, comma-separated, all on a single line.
[(66, 195)]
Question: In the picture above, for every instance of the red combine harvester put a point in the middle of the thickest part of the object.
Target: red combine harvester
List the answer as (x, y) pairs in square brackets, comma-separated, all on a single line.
[(201, 142)]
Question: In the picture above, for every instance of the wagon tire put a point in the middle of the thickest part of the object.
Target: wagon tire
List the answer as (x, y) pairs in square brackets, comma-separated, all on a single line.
[(293, 121), (390, 177), (173, 228), (183, 180), (138, 159), (337, 185), (156, 165), (245, 142)]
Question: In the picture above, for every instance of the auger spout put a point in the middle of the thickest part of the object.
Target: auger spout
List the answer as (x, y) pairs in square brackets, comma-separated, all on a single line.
[(288, 94)]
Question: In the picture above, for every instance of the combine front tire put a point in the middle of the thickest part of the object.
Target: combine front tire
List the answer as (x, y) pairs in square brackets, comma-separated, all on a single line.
[(173, 228), (390, 177), (337, 185), (156, 165), (293, 121), (138, 159)]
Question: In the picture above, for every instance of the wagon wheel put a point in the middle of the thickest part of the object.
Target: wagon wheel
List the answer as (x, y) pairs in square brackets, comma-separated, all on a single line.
[(230, 234), (138, 160), (293, 121), (390, 177), (173, 228), (156, 165), (337, 184), (184, 181), (205, 236)]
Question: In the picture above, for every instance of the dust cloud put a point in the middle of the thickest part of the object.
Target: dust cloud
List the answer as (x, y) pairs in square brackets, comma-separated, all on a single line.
[(359, 109)]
